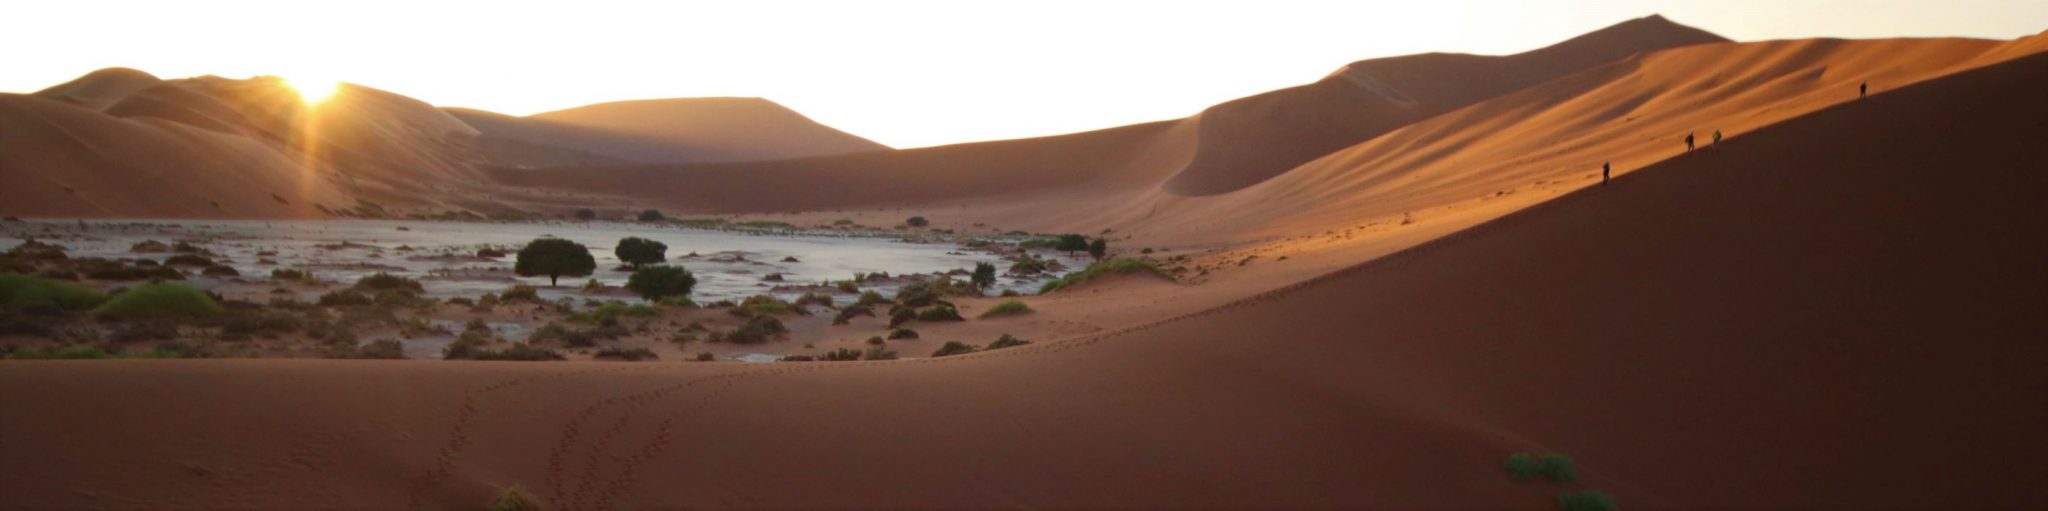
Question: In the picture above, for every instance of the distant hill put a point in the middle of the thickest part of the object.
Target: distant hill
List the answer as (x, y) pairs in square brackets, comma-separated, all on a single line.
[(682, 130)]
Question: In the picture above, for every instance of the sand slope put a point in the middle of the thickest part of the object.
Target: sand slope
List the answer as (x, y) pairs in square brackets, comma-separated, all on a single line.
[(1840, 310), (1221, 149), (719, 129)]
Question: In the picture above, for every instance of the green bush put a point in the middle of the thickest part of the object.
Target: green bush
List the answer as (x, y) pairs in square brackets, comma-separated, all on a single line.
[(917, 221), (766, 305), (756, 330), (291, 275), (161, 300), (555, 258), (1070, 243), (220, 271), (30, 294), (840, 355), (901, 315), (1006, 341), (1098, 248), (984, 275), (878, 353), (1588, 500), (188, 260), (1521, 466), (953, 348), (902, 333), (846, 315), (1007, 308), (345, 298), (1104, 268), (638, 251), (514, 498), (1557, 467), (940, 313), (655, 283), (651, 216), (520, 293), (870, 297)]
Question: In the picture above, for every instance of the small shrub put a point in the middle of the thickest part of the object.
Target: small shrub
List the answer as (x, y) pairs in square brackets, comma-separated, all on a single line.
[(136, 331), (1006, 341), (902, 333), (847, 286), (655, 283), (291, 275), (797, 358), (220, 271), (345, 298), (586, 214), (520, 293), (940, 313), (381, 281), (77, 352), (917, 221), (626, 354), (1586, 501), (846, 315), (879, 353), (1007, 308), (875, 341), (1521, 466), (840, 355), (870, 297), (814, 299), (756, 330), (766, 305), (1098, 248), (386, 349), (953, 348), (1557, 467), (651, 216), (161, 300), (704, 356), (514, 498), (901, 315)]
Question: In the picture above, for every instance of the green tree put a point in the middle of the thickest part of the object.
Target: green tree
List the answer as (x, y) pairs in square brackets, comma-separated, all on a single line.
[(984, 275), (651, 215), (638, 251), (555, 258), (1098, 248), (661, 281), (917, 221), (1071, 242)]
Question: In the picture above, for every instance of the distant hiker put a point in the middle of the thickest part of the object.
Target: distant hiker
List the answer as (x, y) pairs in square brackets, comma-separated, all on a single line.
[(1717, 138), (1606, 172), (1688, 141), (1863, 91)]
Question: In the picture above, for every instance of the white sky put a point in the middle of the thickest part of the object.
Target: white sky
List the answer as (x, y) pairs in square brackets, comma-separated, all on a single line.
[(904, 73)]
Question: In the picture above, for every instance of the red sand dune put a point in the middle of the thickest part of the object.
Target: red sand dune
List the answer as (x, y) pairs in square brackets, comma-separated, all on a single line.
[(1224, 148), (728, 129), (1839, 310)]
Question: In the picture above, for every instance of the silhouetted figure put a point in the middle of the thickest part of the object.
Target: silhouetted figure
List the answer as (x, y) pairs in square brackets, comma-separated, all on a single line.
[(1688, 141), (1717, 138), (1863, 91), (1606, 172)]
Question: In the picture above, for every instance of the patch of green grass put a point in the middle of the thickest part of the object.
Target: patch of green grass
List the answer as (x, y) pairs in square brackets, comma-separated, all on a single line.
[(1104, 268), (940, 313), (954, 348), (1586, 501), (1006, 341), (1007, 308), (626, 354), (381, 281), (25, 293), (78, 352), (772, 225), (766, 305), (161, 300), (902, 333), (1557, 467)]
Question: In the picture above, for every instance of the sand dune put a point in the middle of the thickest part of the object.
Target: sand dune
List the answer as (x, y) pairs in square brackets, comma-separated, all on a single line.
[(1800, 319), (720, 129), (1223, 148)]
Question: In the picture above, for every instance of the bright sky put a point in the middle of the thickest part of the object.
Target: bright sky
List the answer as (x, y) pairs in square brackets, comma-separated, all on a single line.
[(904, 73)]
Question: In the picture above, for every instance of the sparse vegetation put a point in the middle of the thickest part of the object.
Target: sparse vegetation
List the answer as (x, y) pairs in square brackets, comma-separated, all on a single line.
[(1098, 248), (940, 313), (555, 258), (520, 293), (655, 283), (1071, 243), (756, 330), (1006, 308), (984, 276), (1588, 500), (917, 221), (381, 281), (1007, 341), (160, 300), (1104, 268), (1557, 467), (514, 498), (651, 216), (954, 348), (878, 353), (35, 294), (586, 214), (902, 333), (626, 354), (1521, 466)]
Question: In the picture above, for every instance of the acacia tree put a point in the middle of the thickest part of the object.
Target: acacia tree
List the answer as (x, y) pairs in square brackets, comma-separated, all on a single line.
[(638, 251), (1098, 248), (1071, 242), (984, 275), (555, 258), (661, 281)]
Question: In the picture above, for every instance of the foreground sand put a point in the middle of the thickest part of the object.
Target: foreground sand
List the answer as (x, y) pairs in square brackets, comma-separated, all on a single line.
[(1837, 311)]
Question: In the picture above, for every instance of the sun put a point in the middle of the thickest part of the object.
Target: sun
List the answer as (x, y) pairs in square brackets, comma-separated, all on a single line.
[(313, 91)]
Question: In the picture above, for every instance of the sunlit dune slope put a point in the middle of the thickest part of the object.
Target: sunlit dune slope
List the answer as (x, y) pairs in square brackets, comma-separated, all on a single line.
[(1223, 148), (1556, 136), (709, 130), (1792, 321)]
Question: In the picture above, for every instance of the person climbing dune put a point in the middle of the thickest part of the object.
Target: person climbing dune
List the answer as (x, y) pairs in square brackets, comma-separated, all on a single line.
[(1717, 139), (1863, 91), (1606, 172), (1688, 141)]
